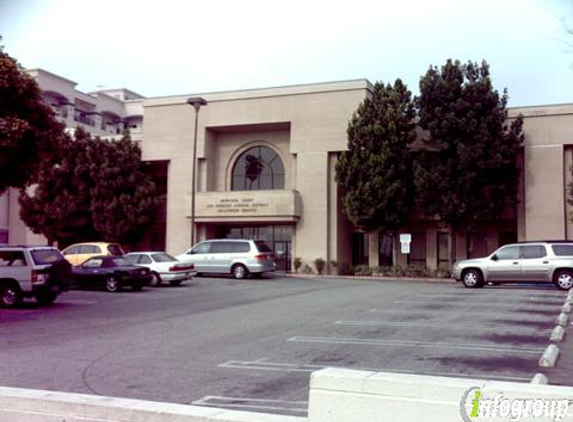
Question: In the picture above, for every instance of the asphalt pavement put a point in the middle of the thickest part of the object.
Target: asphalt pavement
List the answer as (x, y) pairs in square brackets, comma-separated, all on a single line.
[(252, 344)]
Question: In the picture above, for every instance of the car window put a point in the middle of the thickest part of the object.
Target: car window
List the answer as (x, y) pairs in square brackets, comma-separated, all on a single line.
[(220, 247), (509, 252), (533, 251), (240, 247), (201, 248), (12, 259), (45, 256), (114, 249), (262, 246), (134, 259), (93, 263), (563, 250), (163, 257), (72, 250), (117, 262), (145, 259), (85, 249)]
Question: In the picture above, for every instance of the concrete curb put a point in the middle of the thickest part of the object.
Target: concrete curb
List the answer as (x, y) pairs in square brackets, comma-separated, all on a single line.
[(557, 334), (562, 319), (549, 357), (333, 277), (566, 308), (539, 379)]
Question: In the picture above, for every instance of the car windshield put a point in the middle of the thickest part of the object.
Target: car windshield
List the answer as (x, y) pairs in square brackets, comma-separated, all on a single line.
[(46, 256), (114, 249), (121, 262), (162, 257)]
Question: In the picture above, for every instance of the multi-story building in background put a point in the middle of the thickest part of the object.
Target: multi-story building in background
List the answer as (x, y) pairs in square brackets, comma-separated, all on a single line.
[(293, 136)]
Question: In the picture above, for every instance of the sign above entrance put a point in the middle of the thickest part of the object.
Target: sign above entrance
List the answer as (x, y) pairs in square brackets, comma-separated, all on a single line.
[(275, 205)]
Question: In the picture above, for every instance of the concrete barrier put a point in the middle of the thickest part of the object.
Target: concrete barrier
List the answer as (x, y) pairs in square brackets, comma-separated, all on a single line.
[(20, 405), (359, 396)]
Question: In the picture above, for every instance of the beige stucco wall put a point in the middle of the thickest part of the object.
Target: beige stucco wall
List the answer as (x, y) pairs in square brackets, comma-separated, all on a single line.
[(302, 123)]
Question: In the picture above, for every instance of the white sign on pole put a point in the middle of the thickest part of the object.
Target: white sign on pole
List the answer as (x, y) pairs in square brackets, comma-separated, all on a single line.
[(405, 240)]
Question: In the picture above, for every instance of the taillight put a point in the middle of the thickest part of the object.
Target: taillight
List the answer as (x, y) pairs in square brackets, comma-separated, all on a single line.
[(261, 257), (37, 277)]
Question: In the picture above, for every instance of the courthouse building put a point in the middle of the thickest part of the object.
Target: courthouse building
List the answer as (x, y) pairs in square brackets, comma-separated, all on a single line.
[(265, 161)]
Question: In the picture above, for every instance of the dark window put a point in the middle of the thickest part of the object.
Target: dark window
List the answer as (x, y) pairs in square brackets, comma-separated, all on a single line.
[(563, 250), (385, 248), (510, 252), (443, 251), (12, 259), (89, 249), (116, 262), (114, 249), (45, 256), (258, 168), (201, 248), (533, 251), (417, 255), (262, 246), (477, 244), (145, 259), (240, 247), (163, 257), (93, 263), (360, 249), (134, 259), (72, 251)]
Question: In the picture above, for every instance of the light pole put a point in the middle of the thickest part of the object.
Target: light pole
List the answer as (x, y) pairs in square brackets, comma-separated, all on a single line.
[(197, 103)]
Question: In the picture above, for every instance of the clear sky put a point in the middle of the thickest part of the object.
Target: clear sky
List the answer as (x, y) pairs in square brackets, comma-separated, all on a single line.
[(172, 47)]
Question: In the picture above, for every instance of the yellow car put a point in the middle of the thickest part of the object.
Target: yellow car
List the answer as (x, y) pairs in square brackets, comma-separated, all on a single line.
[(80, 252)]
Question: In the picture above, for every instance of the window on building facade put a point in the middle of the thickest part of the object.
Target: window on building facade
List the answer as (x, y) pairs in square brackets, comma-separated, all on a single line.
[(443, 251), (417, 255), (258, 168)]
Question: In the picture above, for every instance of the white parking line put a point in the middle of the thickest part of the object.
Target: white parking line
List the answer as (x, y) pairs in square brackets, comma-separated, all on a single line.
[(253, 403), (264, 365), (407, 343), (439, 325), (488, 304)]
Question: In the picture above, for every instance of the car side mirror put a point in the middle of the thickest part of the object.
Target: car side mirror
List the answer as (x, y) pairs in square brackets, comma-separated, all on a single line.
[(494, 258)]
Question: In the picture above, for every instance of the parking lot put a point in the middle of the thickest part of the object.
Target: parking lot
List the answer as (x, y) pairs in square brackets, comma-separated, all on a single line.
[(252, 344)]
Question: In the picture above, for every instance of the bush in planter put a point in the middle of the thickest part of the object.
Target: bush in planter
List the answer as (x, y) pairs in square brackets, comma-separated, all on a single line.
[(307, 269), (297, 264), (319, 264)]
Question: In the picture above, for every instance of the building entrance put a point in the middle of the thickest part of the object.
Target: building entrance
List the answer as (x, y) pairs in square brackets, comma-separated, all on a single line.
[(277, 237)]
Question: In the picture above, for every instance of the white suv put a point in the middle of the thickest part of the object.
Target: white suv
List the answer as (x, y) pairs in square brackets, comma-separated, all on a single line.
[(32, 271), (239, 257)]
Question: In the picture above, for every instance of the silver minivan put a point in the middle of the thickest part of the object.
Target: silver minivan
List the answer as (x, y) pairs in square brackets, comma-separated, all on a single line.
[(239, 257)]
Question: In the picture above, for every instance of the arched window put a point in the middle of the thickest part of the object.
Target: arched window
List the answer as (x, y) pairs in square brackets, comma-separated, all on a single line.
[(258, 168)]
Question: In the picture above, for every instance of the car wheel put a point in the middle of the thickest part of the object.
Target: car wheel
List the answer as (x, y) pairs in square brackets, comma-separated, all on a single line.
[(46, 298), (564, 279), (155, 280), (112, 285), (472, 279), (10, 295), (239, 271)]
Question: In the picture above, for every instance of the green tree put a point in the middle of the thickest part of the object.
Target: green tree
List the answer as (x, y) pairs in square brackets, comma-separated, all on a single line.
[(468, 168), (92, 189), (27, 125), (376, 171), (123, 197)]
